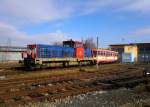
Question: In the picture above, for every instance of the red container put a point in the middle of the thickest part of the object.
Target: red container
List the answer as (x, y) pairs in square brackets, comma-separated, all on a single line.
[(79, 53)]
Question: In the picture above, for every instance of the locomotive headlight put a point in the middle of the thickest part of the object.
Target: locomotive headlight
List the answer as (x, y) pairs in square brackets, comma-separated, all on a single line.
[(147, 73)]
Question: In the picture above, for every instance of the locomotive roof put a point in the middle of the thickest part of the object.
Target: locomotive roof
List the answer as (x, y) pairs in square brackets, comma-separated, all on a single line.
[(71, 41)]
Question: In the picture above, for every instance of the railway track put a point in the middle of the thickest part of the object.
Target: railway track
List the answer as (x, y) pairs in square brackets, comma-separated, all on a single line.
[(56, 78), (63, 89), (51, 87), (9, 71)]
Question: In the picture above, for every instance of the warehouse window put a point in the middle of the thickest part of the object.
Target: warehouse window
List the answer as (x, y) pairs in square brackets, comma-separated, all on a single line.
[(147, 49), (141, 49)]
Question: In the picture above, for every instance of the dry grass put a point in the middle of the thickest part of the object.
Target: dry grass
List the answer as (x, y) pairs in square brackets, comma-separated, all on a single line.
[(43, 73), (140, 88), (105, 68), (140, 103)]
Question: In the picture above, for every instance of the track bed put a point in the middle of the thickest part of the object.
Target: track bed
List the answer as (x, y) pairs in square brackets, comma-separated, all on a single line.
[(51, 84)]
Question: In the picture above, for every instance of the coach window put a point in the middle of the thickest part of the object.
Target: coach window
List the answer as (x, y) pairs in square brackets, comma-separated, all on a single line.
[(104, 54), (94, 53), (107, 54), (114, 54), (111, 54), (101, 53)]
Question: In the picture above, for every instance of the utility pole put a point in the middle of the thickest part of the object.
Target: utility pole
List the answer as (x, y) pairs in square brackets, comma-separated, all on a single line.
[(97, 54), (8, 44)]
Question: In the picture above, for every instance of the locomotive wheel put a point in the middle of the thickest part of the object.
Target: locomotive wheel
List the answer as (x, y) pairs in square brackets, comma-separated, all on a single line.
[(30, 68)]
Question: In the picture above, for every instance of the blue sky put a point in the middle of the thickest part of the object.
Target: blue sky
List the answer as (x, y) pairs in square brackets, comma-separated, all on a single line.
[(46, 21)]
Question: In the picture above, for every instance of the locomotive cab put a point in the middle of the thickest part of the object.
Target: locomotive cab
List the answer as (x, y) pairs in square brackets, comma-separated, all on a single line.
[(31, 55), (31, 51), (72, 44)]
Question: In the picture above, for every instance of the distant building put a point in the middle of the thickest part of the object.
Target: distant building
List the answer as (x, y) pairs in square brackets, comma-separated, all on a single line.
[(11, 53), (138, 52)]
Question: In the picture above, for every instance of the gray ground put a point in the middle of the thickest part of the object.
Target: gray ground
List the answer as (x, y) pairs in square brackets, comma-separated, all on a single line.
[(114, 98)]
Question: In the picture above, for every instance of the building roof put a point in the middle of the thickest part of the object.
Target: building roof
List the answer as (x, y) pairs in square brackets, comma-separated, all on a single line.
[(129, 44), (12, 49)]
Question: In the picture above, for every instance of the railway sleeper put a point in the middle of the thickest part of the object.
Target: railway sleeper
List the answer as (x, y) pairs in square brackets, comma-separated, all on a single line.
[(35, 95)]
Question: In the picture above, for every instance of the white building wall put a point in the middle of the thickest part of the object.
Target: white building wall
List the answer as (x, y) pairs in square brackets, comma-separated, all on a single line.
[(10, 56)]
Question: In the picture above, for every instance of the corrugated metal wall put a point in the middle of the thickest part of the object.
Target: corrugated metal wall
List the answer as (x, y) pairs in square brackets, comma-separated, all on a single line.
[(144, 54), (10, 56), (127, 57)]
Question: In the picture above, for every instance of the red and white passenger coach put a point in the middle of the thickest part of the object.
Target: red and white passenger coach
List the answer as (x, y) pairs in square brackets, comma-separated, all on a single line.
[(104, 56)]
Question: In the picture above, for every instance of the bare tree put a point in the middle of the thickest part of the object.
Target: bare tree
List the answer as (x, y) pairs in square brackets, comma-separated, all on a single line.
[(89, 43)]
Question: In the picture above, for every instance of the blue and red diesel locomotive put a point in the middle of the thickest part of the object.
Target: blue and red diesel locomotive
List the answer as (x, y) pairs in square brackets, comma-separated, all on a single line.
[(70, 51)]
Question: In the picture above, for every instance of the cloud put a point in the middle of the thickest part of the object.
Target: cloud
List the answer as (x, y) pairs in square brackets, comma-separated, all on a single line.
[(138, 6), (141, 32), (32, 10), (137, 35), (11, 36), (39, 11)]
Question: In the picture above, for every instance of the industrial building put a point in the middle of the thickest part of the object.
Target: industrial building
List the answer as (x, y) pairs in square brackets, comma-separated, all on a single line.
[(134, 52), (11, 53)]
